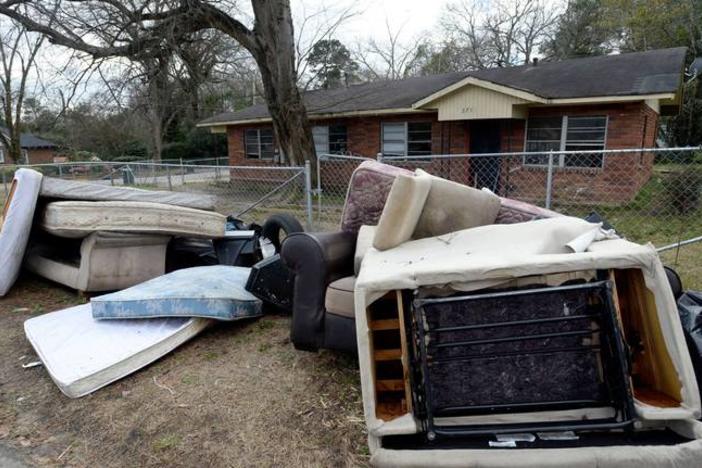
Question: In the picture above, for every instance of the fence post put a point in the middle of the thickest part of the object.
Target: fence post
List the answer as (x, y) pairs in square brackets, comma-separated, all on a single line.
[(549, 180), (182, 172), (319, 187), (168, 173), (308, 192)]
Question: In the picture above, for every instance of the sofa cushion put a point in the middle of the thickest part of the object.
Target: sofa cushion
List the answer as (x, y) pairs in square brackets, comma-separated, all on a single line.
[(364, 241), (515, 211), (368, 189), (402, 210), (339, 297), (451, 207)]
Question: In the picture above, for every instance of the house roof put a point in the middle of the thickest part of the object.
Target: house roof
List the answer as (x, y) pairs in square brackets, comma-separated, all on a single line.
[(632, 74), (31, 141)]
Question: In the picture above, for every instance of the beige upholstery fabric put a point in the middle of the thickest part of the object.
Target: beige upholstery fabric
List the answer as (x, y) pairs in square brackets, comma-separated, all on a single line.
[(451, 207), (108, 261), (364, 241), (77, 219), (402, 210), (339, 297)]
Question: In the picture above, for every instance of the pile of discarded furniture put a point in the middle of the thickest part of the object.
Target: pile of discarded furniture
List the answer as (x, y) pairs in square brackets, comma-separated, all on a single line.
[(494, 333), (489, 332), (96, 238)]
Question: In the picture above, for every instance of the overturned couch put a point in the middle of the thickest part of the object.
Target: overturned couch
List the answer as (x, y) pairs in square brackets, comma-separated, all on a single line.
[(93, 237), (551, 342)]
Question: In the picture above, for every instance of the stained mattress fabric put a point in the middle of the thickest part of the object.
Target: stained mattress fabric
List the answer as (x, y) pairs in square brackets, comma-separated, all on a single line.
[(17, 224), (215, 292), (76, 219), (82, 354), (90, 191)]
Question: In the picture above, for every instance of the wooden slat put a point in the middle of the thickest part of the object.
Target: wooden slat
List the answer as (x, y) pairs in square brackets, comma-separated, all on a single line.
[(386, 324), (654, 398), (8, 200), (387, 354), (405, 352), (395, 385)]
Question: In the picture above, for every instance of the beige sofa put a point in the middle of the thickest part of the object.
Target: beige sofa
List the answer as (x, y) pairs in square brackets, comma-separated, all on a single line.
[(103, 261)]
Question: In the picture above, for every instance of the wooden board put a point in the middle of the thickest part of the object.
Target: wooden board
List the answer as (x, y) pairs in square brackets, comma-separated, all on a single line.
[(405, 351), (653, 369), (8, 200), (393, 395)]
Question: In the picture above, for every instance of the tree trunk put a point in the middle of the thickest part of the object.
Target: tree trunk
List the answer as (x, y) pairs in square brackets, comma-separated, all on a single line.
[(274, 45)]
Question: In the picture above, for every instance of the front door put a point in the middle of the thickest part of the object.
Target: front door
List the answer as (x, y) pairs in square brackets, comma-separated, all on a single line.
[(485, 138)]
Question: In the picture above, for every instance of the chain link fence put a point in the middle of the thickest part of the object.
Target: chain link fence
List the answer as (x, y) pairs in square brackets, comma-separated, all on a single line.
[(250, 193), (648, 195)]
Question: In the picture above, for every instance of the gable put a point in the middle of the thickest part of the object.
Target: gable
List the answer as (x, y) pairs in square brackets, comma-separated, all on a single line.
[(475, 102)]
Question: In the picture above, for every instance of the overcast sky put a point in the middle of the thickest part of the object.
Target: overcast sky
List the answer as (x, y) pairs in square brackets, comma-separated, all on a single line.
[(414, 16)]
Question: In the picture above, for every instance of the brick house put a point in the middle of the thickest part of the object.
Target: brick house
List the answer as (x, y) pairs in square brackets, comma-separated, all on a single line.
[(35, 150), (586, 104)]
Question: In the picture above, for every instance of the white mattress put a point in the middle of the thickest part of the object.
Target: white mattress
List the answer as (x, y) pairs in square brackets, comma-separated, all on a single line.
[(16, 225), (91, 191), (82, 354), (75, 219)]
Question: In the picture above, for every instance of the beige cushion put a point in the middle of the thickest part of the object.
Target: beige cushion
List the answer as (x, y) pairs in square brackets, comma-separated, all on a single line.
[(364, 241), (402, 210), (339, 297), (451, 207)]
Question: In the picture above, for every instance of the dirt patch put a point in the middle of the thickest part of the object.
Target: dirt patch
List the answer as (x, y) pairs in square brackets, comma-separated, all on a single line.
[(237, 395)]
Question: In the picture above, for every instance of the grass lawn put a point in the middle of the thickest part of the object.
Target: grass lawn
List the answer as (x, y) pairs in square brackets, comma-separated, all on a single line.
[(236, 395), (650, 217)]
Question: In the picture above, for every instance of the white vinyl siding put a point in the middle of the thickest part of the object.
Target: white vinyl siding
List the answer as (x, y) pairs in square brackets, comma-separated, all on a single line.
[(566, 133), (406, 138)]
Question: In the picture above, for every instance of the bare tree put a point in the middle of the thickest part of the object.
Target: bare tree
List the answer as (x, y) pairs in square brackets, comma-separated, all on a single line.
[(387, 59), (500, 32), (139, 28), (314, 27), (18, 51)]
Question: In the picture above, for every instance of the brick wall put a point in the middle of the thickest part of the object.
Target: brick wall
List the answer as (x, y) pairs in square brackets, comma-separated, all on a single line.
[(630, 125), (41, 156)]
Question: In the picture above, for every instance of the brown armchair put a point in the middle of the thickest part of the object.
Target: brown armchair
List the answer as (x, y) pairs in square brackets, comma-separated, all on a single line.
[(323, 263)]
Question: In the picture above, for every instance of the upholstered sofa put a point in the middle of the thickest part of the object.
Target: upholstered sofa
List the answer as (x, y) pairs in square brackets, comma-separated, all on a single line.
[(94, 237), (326, 264)]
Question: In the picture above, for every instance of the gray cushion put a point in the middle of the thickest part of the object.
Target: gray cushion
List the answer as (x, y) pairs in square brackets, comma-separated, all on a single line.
[(364, 241), (402, 210), (339, 297), (451, 207)]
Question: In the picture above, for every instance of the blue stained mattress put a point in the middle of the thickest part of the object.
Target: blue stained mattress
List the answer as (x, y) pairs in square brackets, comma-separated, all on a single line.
[(215, 292)]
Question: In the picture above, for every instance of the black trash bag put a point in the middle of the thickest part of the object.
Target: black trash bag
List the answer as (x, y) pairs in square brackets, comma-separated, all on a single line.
[(239, 251), (690, 311)]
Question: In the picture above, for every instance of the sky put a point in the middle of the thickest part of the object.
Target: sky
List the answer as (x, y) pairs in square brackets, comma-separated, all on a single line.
[(415, 17)]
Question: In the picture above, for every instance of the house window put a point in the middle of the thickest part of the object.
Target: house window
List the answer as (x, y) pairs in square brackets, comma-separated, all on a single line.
[(567, 133), (406, 138), (258, 143), (2, 155), (330, 139)]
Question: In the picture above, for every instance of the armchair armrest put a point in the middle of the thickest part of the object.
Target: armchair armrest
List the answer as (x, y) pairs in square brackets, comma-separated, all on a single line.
[(316, 259)]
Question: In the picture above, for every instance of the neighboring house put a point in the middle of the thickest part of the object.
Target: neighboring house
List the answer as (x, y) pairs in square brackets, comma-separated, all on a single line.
[(593, 103), (35, 150)]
